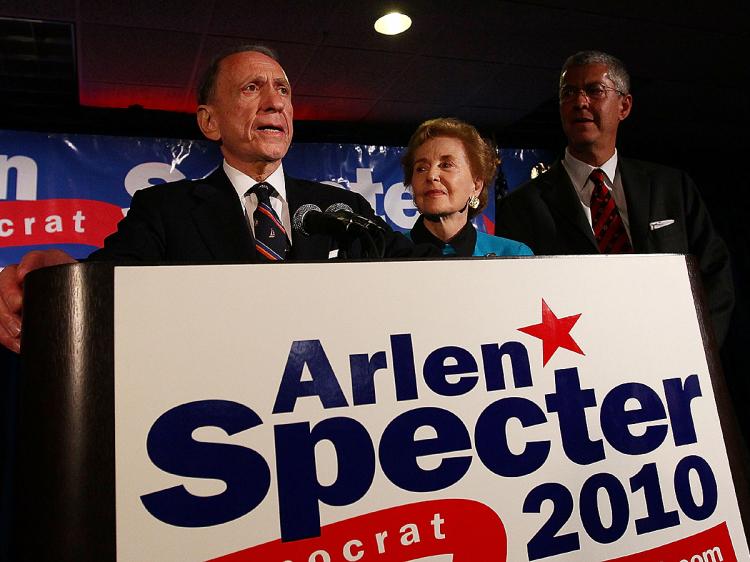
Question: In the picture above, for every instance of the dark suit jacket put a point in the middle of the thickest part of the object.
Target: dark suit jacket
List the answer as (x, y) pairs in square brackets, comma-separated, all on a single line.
[(547, 216), (203, 221)]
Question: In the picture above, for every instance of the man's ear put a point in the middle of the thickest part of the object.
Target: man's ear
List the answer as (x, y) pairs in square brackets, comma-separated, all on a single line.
[(626, 104), (207, 123)]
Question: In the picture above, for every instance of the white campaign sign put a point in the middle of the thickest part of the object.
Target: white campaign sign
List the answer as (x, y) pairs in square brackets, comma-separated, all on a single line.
[(465, 410)]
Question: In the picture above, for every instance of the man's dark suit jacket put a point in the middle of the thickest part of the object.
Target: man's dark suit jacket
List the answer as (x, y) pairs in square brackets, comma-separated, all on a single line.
[(203, 221), (546, 215)]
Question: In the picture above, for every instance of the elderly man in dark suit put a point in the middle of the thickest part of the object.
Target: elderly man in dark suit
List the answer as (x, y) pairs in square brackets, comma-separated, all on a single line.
[(595, 201), (242, 212)]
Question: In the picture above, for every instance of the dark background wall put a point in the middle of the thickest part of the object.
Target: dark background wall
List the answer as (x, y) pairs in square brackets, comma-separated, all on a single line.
[(87, 66)]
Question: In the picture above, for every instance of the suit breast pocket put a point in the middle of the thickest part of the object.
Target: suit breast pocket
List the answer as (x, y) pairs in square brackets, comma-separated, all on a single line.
[(668, 237)]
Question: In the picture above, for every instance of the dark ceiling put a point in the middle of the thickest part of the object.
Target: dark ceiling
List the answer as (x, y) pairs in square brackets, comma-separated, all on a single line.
[(494, 64)]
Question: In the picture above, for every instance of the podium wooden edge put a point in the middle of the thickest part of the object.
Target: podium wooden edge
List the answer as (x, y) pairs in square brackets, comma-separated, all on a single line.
[(737, 451), (64, 489)]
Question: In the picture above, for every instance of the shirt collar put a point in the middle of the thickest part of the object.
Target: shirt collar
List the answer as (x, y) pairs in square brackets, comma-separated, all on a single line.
[(242, 182), (580, 171), (462, 243)]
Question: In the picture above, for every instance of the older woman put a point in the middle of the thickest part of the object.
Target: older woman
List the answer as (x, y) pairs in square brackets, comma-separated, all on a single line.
[(448, 166)]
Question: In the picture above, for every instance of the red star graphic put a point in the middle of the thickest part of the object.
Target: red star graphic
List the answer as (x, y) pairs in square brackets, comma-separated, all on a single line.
[(554, 332)]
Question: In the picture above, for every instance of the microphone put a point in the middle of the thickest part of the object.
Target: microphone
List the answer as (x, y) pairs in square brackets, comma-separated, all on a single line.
[(341, 221), (375, 245), (309, 219), (347, 213), (339, 207)]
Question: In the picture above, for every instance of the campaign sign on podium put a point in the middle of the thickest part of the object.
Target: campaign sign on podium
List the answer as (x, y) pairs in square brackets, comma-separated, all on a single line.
[(457, 410)]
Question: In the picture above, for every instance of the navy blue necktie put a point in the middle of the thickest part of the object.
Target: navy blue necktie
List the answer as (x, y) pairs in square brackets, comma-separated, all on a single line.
[(271, 242)]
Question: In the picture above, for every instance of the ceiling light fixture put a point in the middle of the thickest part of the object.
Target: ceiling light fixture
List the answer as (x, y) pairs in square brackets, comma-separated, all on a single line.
[(392, 24)]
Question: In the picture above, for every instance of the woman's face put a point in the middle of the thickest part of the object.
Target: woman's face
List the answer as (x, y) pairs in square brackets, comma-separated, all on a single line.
[(441, 179)]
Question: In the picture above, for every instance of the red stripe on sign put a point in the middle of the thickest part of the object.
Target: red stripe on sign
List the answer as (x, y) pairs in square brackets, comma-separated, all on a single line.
[(467, 529), (57, 221), (711, 544)]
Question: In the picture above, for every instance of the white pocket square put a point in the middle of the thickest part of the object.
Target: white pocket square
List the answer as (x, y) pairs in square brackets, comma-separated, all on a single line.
[(656, 225)]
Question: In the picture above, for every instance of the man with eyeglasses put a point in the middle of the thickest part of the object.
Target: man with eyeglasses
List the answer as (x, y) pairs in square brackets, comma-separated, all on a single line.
[(595, 201)]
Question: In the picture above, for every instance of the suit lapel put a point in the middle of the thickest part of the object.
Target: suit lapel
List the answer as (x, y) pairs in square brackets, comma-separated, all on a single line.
[(219, 218), (561, 198), (637, 187)]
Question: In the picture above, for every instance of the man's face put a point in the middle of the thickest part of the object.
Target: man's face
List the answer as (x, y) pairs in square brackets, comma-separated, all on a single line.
[(250, 111), (591, 124)]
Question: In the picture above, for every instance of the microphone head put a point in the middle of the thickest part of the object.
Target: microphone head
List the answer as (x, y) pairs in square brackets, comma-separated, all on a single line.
[(339, 207), (298, 220), (345, 211)]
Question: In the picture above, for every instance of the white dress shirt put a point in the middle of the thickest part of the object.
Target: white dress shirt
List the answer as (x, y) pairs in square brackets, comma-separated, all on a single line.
[(579, 173)]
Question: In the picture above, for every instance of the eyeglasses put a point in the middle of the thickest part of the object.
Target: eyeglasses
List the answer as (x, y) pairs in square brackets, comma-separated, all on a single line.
[(595, 91)]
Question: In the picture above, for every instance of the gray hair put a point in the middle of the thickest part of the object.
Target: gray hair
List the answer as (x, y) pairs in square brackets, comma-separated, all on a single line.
[(207, 82), (616, 70)]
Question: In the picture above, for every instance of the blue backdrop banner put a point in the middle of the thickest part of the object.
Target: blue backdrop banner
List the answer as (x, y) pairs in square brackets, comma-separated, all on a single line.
[(69, 191)]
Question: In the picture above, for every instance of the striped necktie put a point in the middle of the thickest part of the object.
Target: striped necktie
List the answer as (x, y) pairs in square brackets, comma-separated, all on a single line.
[(609, 230), (271, 243)]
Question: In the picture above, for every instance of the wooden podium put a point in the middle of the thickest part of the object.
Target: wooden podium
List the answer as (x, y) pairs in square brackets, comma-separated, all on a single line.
[(65, 466), (64, 490)]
